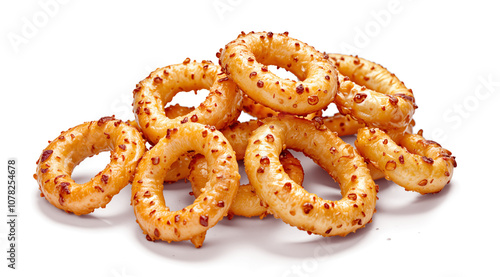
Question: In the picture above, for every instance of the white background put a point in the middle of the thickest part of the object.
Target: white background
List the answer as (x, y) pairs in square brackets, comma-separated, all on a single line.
[(64, 63)]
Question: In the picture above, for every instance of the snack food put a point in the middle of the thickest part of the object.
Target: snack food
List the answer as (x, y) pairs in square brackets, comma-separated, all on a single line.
[(414, 163), (346, 125), (204, 143), (246, 203), (221, 107), (180, 168), (191, 223), (63, 154), (292, 203), (343, 125), (245, 60), (260, 111), (177, 110), (373, 95)]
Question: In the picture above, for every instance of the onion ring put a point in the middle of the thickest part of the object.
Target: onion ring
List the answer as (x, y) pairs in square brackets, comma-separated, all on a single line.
[(346, 125), (221, 107), (246, 203), (260, 111), (245, 61), (71, 147), (180, 168), (292, 203), (177, 110), (343, 125), (238, 134), (372, 94), (416, 164), (191, 223)]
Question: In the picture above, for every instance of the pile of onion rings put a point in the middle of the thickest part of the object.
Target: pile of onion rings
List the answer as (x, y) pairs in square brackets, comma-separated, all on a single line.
[(203, 144)]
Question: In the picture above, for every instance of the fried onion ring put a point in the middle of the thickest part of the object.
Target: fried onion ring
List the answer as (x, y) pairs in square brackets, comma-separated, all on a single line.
[(71, 147), (416, 164), (346, 125), (292, 203), (221, 107), (180, 168), (372, 94), (245, 61), (177, 110), (246, 203), (343, 125), (260, 111), (238, 134), (191, 223)]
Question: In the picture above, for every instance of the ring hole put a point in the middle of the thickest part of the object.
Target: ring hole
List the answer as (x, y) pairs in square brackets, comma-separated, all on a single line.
[(330, 110), (177, 195), (243, 174), (188, 99), (282, 73), (317, 180), (89, 167)]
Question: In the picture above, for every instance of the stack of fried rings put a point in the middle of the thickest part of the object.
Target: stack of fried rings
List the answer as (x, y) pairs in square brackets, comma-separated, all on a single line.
[(203, 144)]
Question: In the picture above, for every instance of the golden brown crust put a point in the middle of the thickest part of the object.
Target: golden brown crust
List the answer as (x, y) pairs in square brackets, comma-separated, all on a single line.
[(238, 134), (221, 107), (179, 169), (416, 164), (372, 94), (177, 110), (343, 125), (260, 111), (245, 61), (204, 143), (190, 223), (292, 203), (246, 202), (64, 153)]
